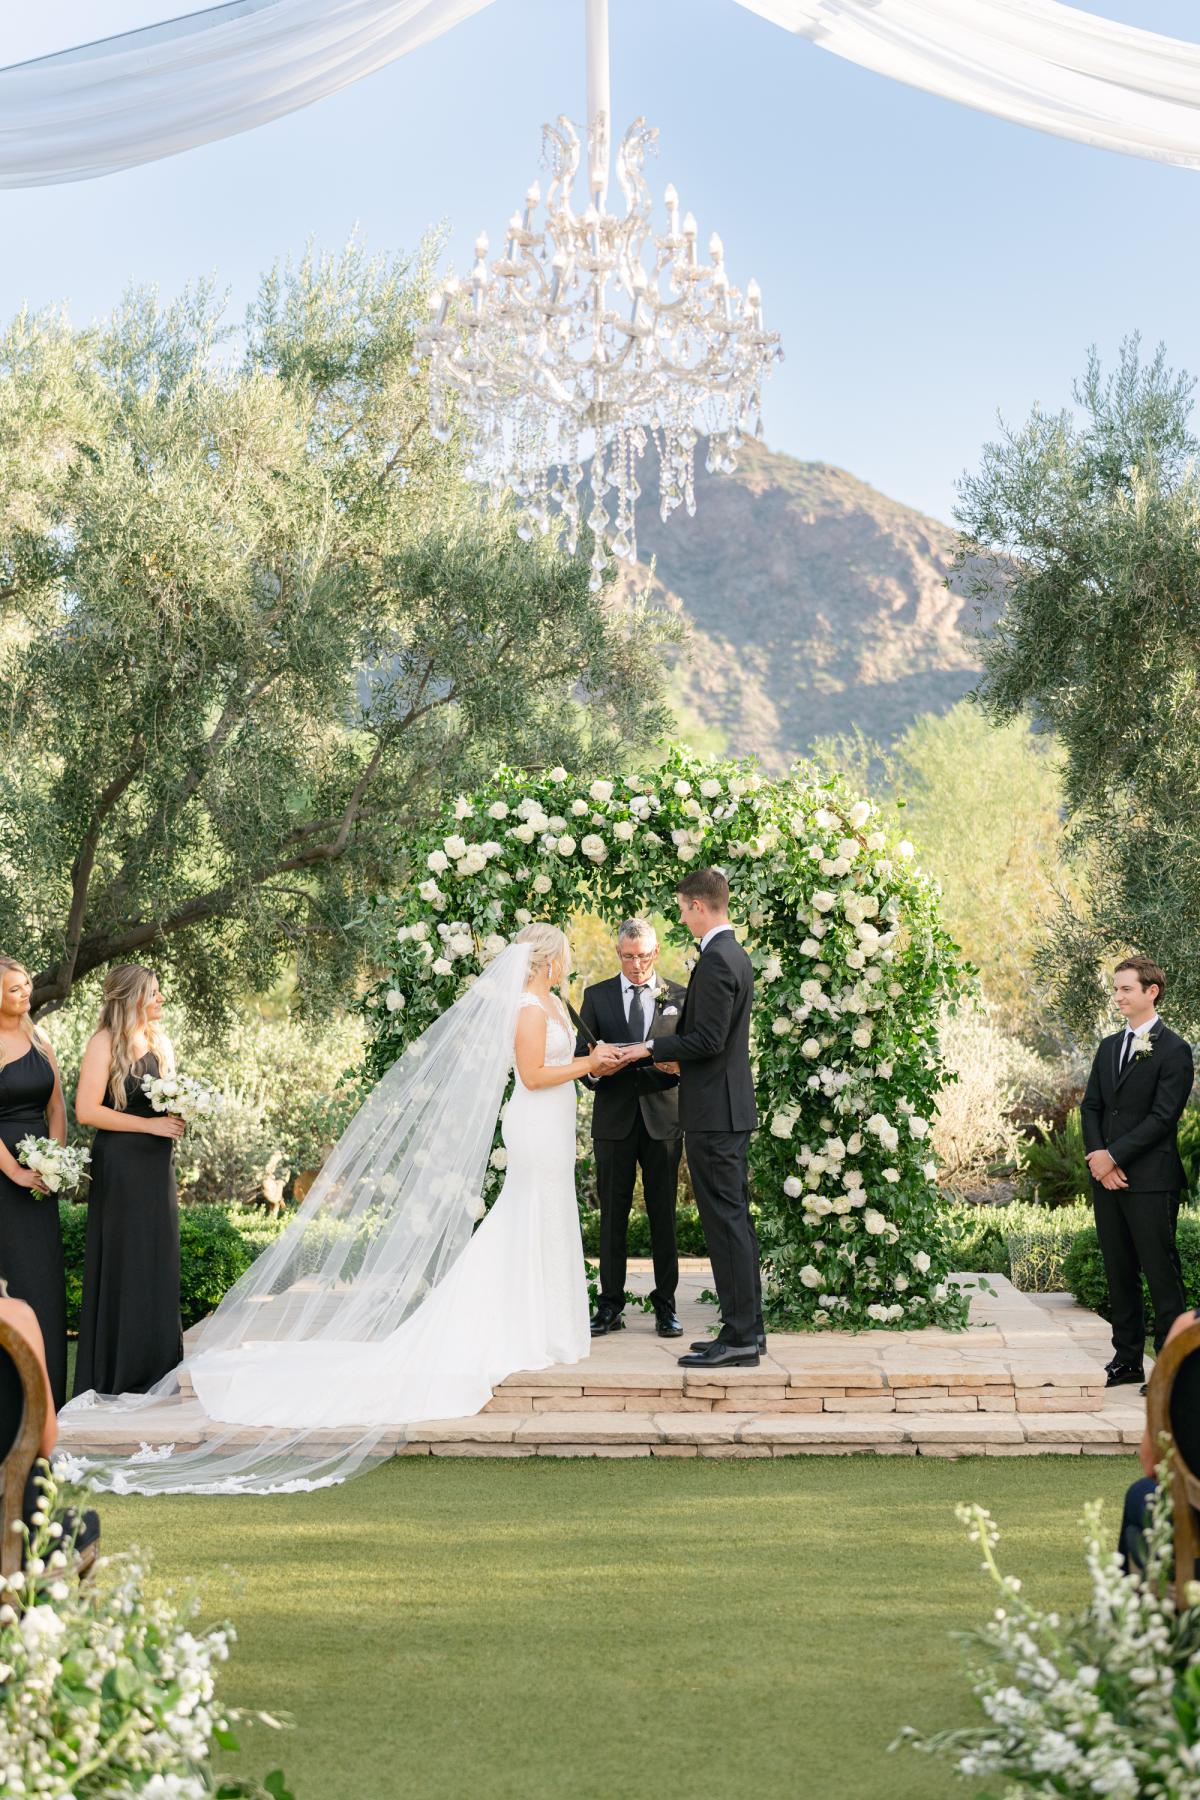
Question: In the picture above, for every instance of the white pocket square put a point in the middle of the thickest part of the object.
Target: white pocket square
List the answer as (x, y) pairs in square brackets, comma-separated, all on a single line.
[(670, 1012)]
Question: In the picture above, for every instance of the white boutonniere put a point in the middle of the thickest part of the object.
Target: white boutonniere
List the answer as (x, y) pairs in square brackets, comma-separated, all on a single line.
[(1143, 1045)]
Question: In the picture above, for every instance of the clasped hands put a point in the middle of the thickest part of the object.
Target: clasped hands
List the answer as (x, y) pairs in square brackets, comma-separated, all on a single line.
[(1105, 1171), (607, 1059)]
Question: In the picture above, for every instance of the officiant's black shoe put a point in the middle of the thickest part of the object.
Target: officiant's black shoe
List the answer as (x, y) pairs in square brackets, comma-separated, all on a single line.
[(721, 1356), (665, 1321), (760, 1343), (1126, 1375), (606, 1318)]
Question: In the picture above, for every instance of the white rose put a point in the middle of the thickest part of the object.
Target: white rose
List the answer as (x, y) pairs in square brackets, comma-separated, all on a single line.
[(810, 947), (557, 776), (900, 1283), (884, 1071), (861, 1037), (499, 1159), (525, 833), (891, 1175), (781, 1026), (442, 966), (921, 1262), (523, 916), (847, 849), (498, 810), (594, 847), (860, 812), (876, 841), (772, 969), (428, 890), (889, 1137), (783, 1123), (566, 845), (811, 1048), (793, 1187), (683, 789), (601, 791), (874, 1221), (454, 847), (437, 861), (420, 930), (579, 808), (918, 1127), (823, 901), (810, 1276), (459, 944), (825, 820), (904, 849), (624, 829), (929, 1170), (855, 959), (542, 884), (710, 788), (463, 808), (395, 1000)]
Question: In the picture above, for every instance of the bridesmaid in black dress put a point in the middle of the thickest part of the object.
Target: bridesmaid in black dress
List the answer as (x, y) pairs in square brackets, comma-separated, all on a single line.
[(31, 1105), (130, 1334)]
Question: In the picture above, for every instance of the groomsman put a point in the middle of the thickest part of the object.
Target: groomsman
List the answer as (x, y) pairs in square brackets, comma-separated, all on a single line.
[(1139, 1085), (635, 1124)]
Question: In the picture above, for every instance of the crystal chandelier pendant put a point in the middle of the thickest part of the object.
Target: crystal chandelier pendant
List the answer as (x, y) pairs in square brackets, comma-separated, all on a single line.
[(592, 336)]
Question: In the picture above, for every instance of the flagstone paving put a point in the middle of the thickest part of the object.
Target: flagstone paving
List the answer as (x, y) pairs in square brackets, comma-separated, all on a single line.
[(1026, 1378)]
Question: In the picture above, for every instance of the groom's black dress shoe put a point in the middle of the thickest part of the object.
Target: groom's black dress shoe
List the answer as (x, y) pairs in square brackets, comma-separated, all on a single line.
[(606, 1318), (666, 1322), (760, 1343), (1126, 1375), (721, 1356)]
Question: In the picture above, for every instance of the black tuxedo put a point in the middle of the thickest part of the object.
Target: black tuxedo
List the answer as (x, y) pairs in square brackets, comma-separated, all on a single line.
[(717, 1112), (635, 1124), (1133, 1112)]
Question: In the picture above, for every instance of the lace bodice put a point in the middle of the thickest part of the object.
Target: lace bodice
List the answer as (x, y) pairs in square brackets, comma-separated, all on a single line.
[(560, 1039)]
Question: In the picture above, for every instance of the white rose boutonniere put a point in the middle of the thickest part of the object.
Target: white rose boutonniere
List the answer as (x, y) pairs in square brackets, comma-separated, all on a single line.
[(1143, 1045)]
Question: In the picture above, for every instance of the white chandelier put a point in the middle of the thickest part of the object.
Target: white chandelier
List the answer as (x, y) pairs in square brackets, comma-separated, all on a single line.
[(592, 336)]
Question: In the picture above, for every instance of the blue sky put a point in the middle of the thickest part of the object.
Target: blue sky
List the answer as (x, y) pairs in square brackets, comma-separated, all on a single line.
[(928, 266)]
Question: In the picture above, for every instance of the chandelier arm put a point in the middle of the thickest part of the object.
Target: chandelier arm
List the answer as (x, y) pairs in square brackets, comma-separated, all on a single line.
[(599, 105)]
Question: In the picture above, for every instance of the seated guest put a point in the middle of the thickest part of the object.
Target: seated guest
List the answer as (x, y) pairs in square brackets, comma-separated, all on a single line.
[(1185, 1423), (21, 1318)]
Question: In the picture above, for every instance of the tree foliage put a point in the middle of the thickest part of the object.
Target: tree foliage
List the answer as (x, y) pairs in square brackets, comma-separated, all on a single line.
[(1091, 519), (256, 625)]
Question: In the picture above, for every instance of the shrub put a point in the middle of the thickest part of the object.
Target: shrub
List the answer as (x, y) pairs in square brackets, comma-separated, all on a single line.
[(993, 1080), (1083, 1270), (1053, 1164), (689, 1232), (215, 1247), (1026, 1242), (226, 1157)]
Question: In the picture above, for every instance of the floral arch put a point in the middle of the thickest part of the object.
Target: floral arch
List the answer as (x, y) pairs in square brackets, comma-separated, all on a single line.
[(852, 968)]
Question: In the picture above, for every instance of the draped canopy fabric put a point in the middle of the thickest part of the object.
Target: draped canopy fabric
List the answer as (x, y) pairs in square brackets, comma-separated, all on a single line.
[(151, 93)]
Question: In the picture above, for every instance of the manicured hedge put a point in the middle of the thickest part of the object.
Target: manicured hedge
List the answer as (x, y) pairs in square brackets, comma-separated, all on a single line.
[(213, 1252), (688, 1231), (1083, 1269)]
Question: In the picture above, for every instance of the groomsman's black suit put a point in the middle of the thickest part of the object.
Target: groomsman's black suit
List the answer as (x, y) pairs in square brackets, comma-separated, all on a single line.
[(1132, 1109), (635, 1123), (717, 1112)]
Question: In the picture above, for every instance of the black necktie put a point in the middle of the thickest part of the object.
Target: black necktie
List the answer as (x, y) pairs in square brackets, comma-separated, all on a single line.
[(637, 1012), (1126, 1049)]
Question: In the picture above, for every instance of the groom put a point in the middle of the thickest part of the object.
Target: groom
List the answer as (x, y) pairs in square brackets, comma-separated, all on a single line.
[(717, 1112)]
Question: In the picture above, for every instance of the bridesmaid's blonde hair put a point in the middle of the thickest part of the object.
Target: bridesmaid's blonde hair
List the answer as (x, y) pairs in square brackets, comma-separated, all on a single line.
[(37, 1037), (549, 948), (127, 990)]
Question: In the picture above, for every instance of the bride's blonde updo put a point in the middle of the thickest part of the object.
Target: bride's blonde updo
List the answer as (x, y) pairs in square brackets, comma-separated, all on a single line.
[(549, 948), (127, 991)]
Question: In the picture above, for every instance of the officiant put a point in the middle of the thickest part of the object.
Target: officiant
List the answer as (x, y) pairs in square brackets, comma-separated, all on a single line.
[(635, 1125)]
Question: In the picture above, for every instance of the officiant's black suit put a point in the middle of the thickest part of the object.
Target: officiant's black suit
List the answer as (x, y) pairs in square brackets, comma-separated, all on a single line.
[(635, 1124), (717, 1113), (1133, 1112)]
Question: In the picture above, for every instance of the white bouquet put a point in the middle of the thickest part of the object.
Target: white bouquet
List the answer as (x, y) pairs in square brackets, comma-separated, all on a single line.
[(182, 1095), (61, 1166)]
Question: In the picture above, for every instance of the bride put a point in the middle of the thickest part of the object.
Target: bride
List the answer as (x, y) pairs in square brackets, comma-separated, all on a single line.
[(378, 1308)]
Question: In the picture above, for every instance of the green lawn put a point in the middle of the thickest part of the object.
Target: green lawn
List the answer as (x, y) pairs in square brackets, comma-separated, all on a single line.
[(493, 1628)]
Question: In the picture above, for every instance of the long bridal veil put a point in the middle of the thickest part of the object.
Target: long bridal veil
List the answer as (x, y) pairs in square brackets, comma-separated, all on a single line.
[(389, 1214)]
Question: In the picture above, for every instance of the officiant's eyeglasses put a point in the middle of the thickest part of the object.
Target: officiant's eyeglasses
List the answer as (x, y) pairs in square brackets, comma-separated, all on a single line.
[(639, 956)]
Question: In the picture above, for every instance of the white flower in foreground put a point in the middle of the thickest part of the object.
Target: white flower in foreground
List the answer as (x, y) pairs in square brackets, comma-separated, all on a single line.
[(499, 1158), (810, 947), (793, 1187), (579, 808), (437, 862), (824, 901), (420, 931), (772, 969), (524, 833), (395, 1000), (919, 1127), (454, 847), (594, 848), (566, 845), (523, 916), (921, 1262), (498, 810), (624, 830), (905, 849), (783, 1123), (557, 776), (860, 812), (542, 884), (811, 1048), (494, 944), (781, 1027), (429, 890), (900, 1283), (463, 808), (874, 1221), (878, 1313), (891, 1175), (710, 788), (601, 792), (442, 966), (855, 959), (861, 1037), (810, 1277), (683, 789), (825, 820), (876, 841)]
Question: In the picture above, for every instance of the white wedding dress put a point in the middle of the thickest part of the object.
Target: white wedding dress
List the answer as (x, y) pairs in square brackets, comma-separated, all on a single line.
[(516, 1298)]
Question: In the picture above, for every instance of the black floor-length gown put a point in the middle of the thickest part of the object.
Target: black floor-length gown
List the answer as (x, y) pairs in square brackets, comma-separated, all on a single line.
[(130, 1334), (31, 1246)]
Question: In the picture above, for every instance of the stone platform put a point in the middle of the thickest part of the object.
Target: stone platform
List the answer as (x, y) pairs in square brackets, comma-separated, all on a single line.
[(1025, 1378)]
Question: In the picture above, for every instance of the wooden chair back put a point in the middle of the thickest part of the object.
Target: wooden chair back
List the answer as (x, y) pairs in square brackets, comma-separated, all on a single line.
[(1173, 1408), (21, 1372)]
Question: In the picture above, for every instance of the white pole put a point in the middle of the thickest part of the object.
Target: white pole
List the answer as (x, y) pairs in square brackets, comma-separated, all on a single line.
[(598, 104)]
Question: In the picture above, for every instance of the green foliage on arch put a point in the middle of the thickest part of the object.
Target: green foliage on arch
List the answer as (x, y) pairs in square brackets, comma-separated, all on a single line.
[(852, 967)]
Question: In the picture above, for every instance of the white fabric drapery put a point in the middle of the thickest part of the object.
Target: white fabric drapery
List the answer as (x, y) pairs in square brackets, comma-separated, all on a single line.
[(150, 93), (167, 88)]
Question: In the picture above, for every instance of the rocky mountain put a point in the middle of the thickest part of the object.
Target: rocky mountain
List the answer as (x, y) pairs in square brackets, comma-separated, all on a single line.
[(816, 605)]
